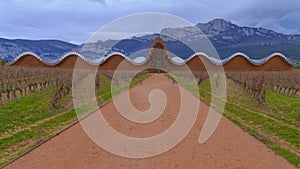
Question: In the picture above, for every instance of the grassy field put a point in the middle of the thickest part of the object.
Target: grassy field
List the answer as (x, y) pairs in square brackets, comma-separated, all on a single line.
[(297, 65), (27, 121), (276, 124)]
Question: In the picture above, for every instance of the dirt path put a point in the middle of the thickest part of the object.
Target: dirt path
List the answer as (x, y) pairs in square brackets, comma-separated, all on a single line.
[(229, 146)]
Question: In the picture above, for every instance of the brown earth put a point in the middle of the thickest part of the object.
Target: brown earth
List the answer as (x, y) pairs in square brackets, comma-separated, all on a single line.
[(229, 147)]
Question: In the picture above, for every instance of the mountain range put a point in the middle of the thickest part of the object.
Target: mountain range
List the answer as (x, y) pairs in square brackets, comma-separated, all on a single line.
[(225, 36)]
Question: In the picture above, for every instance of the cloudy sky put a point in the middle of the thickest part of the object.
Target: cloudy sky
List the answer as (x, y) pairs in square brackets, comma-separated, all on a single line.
[(76, 20)]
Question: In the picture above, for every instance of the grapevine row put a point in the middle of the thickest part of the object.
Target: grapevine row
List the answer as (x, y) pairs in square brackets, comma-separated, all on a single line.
[(257, 83)]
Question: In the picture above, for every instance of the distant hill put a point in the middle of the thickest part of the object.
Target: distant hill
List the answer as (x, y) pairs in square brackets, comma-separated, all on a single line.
[(226, 37), (135, 47), (9, 49), (229, 38)]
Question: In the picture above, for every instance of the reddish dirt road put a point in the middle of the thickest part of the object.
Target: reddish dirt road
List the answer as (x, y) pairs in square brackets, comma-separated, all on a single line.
[(229, 146)]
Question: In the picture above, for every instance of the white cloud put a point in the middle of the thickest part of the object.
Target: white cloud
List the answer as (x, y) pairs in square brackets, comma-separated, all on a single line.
[(71, 20), (99, 1), (282, 16)]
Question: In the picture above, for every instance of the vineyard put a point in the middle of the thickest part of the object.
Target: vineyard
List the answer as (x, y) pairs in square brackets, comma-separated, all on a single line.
[(36, 103), (46, 94), (16, 82), (265, 104), (19, 82), (256, 83)]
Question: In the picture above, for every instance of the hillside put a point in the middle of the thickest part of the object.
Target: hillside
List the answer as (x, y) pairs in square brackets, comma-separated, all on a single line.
[(226, 37), (229, 38), (9, 49)]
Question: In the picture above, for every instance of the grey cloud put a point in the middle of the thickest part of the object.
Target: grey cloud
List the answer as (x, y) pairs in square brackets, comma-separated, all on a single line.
[(280, 16), (74, 20)]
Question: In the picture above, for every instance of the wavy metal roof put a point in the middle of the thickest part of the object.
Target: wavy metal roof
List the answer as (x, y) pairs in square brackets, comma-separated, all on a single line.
[(256, 62), (142, 60)]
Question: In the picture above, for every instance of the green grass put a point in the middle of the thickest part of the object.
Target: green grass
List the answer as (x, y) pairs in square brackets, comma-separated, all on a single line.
[(104, 94), (25, 111), (286, 108), (28, 120), (276, 124), (33, 135)]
